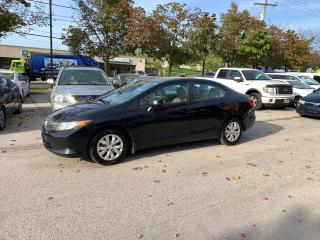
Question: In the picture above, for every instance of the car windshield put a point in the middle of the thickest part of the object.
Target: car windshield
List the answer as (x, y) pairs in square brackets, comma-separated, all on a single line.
[(83, 77), (127, 92), (8, 75), (298, 84), (126, 78), (255, 75), (309, 80)]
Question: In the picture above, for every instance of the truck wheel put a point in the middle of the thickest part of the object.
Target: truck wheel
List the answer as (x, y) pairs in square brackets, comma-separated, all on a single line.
[(257, 100)]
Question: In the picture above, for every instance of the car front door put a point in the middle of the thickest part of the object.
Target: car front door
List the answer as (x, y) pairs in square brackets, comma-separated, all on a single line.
[(168, 121), (208, 107), (8, 95)]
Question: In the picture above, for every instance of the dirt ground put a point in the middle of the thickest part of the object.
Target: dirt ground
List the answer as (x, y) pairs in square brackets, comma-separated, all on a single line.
[(268, 187)]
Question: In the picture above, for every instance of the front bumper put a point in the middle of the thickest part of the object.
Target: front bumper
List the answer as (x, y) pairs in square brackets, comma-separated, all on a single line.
[(277, 101), (68, 143), (308, 110)]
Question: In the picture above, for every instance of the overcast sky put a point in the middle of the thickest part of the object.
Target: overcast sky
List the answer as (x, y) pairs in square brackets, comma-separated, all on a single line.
[(295, 14)]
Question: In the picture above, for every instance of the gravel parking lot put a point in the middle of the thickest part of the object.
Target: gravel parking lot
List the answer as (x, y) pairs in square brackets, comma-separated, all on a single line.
[(268, 187)]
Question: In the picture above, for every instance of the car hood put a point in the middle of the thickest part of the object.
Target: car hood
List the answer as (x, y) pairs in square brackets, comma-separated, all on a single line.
[(77, 111), (303, 92), (82, 90), (270, 82), (314, 98)]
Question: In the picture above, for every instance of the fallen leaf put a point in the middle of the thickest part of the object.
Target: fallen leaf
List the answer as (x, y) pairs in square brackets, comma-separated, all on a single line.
[(253, 225), (252, 164), (280, 161), (145, 166), (308, 167), (163, 170), (284, 211), (137, 168), (242, 235), (141, 236), (78, 171), (176, 235), (218, 156), (228, 179), (236, 177), (160, 161), (170, 204), (149, 195), (178, 172), (50, 198), (287, 139), (156, 181), (13, 140), (265, 174), (265, 198), (204, 174), (289, 196), (3, 151), (309, 178)]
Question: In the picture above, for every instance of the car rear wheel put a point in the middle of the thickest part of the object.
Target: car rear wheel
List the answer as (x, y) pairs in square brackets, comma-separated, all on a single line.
[(256, 97), (2, 119), (108, 147), (19, 107), (231, 132)]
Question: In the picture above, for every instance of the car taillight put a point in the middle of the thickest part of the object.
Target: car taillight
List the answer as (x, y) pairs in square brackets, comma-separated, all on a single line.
[(251, 102)]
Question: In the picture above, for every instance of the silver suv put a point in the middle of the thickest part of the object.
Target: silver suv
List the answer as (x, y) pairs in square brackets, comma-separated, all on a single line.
[(77, 84)]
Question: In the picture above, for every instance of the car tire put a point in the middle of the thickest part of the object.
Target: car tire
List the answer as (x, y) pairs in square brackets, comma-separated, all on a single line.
[(231, 132), (2, 119), (108, 147), (257, 100), (19, 108)]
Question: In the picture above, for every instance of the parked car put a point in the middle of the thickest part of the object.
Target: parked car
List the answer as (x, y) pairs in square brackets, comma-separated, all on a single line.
[(147, 114), (310, 105), (10, 100), (315, 76), (300, 90), (19, 80), (123, 79), (296, 76), (77, 84), (256, 84)]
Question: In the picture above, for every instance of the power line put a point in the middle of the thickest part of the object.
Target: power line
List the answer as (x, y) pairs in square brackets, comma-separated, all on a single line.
[(300, 10), (56, 5), (37, 35)]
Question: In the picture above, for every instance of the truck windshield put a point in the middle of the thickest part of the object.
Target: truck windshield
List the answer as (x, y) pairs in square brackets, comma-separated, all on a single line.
[(309, 80), (255, 75), (83, 77)]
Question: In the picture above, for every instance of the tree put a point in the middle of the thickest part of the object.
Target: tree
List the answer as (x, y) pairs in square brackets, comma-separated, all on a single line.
[(255, 47), (101, 29), (13, 16), (201, 37), (234, 27)]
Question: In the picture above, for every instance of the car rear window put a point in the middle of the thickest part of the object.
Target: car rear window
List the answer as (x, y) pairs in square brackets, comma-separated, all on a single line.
[(223, 73)]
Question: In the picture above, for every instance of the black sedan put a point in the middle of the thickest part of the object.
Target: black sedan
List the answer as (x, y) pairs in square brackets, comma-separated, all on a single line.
[(146, 114), (10, 100), (310, 105)]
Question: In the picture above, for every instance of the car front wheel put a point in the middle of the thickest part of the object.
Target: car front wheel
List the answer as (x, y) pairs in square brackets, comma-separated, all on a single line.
[(108, 147), (231, 132)]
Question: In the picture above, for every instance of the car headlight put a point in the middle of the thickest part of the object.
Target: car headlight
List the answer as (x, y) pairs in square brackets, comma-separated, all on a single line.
[(301, 101), (60, 99), (270, 90), (71, 125)]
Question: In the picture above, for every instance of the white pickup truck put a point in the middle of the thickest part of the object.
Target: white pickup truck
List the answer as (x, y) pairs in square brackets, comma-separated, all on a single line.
[(255, 83)]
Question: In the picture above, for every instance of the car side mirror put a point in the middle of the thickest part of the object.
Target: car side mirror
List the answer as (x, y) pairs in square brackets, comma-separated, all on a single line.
[(237, 79), (50, 81)]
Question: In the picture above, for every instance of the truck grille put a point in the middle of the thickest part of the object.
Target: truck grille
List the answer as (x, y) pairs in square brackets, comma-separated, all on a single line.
[(285, 90), (81, 98)]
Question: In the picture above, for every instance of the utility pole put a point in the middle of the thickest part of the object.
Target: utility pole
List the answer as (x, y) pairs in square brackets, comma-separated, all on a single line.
[(51, 51), (265, 5)]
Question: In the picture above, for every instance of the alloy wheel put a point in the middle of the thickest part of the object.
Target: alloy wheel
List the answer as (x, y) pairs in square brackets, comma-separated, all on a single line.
[(110, 147), (233, 131)]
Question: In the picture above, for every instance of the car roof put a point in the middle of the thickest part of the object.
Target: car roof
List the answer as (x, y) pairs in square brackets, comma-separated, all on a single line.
[(235, 68), (82, 68), (6, 71)]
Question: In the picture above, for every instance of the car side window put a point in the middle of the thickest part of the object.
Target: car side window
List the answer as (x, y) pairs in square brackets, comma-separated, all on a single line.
[(291, 78), (223, 73), (175, 93), (205, 91), (317, 78), (235, 73)]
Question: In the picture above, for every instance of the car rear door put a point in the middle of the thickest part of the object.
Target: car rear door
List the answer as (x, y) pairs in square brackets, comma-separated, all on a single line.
[(208, 106), (169, 122)]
